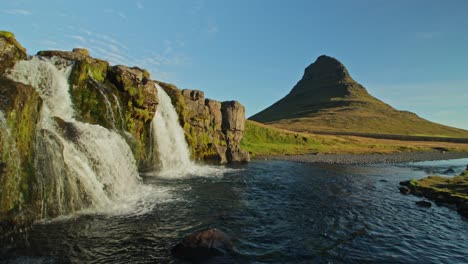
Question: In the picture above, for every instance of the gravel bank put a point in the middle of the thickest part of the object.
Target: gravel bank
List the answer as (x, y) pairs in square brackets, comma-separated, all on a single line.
[(369, 158)]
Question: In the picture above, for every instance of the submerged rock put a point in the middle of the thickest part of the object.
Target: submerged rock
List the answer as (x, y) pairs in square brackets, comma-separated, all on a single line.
[(404, 190), (424, 203), (203, 244), (449, 171)]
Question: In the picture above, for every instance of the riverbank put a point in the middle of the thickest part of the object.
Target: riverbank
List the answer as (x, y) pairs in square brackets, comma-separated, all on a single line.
[(441, 190), (357, 159), (262, 140)]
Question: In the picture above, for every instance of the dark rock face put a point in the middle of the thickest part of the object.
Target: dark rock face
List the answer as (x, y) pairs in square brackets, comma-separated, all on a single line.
[(213, 129), (424, 203), (203, 244)]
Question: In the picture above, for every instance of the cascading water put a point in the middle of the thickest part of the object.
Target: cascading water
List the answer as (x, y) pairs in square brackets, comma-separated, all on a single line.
[(170, 142), (79, 165)]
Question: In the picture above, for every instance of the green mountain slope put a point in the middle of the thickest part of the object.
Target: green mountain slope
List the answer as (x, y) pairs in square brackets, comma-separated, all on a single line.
[(327, 99)]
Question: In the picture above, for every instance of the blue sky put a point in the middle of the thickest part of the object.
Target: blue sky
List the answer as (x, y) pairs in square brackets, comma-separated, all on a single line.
[(411, 54)]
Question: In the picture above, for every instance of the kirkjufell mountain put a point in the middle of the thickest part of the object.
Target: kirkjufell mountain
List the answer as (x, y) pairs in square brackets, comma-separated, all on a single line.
[(328, 99)]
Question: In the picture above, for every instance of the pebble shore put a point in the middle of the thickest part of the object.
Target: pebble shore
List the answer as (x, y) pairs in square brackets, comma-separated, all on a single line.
[(357, 159)]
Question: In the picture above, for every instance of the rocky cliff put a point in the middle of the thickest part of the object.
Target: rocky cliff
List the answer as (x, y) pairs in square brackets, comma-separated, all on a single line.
[(214, 129), (119, 98)]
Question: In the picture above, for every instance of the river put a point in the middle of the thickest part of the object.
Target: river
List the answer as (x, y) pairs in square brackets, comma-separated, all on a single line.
[(275, 211)]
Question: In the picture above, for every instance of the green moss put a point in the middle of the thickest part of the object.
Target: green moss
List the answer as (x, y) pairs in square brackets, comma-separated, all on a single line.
[(21, 106), (413, 183), (7, 34), (96, 69), (10, 37)]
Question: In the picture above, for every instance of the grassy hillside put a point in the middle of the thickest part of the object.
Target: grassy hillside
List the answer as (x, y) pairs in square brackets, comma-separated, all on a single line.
[(260, 139), (327, 99)]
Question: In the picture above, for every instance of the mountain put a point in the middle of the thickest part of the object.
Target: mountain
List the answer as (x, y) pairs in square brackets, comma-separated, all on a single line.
[(327, 99)]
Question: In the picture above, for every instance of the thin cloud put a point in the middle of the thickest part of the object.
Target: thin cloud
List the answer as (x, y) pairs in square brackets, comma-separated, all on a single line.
[(21, 12), (79, 38), (117, 13), (139, 5)]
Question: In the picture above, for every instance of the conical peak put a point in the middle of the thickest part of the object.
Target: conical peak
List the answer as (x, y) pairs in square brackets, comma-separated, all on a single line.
[(326, 68)]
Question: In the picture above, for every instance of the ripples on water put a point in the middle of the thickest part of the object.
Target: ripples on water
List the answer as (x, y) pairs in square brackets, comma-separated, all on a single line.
[(277, 212)]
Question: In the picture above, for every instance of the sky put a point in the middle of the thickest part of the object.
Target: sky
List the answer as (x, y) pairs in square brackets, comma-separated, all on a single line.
[(410, 54)]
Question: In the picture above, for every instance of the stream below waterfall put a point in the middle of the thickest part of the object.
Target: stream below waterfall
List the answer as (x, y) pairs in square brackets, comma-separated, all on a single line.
[(276, 212)]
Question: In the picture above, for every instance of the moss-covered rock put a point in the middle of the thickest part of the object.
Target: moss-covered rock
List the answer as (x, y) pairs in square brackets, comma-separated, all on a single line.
[(443, 190), (20, 109), (139, 98), (213, 129), (10, 51)]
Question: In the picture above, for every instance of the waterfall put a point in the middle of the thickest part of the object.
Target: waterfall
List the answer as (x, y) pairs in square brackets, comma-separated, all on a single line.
[(79, 165), (169, 138)]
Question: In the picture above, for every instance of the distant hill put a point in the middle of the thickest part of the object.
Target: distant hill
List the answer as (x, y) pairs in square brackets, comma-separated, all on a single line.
[(327, 99)]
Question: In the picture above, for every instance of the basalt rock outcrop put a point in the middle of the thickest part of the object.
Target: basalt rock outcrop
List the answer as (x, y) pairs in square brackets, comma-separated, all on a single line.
[(214, 129)]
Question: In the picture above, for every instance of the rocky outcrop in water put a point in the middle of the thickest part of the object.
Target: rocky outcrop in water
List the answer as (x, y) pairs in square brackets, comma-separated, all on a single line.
[(214, 129), (442, 190), (203, 244)]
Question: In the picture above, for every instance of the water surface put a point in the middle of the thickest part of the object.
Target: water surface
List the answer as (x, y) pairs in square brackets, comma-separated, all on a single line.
[(276, 211)]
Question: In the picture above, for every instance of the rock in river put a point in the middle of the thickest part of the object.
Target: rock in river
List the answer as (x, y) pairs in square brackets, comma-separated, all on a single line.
[(424, 203), (203, 244)]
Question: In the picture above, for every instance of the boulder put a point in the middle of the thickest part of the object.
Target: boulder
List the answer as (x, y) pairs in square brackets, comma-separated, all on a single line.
[(10, 51), (405, 183), (404, 190), (449, 171), (203, 244), (424, 203), (462, 208), (233, 114)]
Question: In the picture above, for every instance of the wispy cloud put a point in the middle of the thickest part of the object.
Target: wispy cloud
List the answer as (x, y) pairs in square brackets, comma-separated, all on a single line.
[(139, 5), (79, 38), (21, 12), (117, 13), (110, 49)]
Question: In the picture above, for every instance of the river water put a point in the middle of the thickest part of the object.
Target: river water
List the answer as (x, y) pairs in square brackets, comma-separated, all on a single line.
[(276, 212)]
